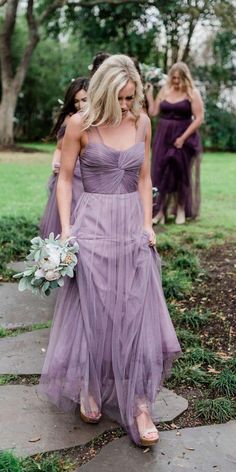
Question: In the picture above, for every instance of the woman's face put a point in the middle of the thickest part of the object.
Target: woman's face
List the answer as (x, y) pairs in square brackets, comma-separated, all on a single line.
[(80, 99), (126, 97), (175, 80)]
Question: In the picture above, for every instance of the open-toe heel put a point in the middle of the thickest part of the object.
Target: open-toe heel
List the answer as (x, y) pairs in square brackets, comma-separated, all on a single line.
[(94, 418), (147, 441)]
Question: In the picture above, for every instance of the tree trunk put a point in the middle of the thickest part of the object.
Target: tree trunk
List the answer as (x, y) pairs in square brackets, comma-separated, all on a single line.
[(7, 111)]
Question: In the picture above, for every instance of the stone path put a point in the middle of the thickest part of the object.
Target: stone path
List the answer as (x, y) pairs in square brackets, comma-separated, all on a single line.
[(23, 308), (202, 449), (31, 425), (23, 354)]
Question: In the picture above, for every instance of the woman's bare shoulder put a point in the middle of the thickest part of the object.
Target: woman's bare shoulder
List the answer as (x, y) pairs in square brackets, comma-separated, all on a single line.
[(75, 124)]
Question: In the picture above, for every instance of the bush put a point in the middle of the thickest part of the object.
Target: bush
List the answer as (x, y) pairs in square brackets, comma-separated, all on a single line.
[(15, 236)]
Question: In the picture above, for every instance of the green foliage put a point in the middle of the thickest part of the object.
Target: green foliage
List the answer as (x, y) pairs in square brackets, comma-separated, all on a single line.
[(188, 263), (225, 383), (188, 375), (193, 319), (10, 463), (187, 338), (4, 332), (6, 379), (217, 410), (15, 236), (199, 356), (175, 284)]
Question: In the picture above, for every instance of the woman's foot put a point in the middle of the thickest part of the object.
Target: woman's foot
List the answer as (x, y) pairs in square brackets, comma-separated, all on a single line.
[(180, 217), (147, 430), (94, 415), (159, 218)]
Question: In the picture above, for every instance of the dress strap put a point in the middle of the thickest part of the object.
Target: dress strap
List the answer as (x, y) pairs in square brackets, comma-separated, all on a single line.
[(94, 135)]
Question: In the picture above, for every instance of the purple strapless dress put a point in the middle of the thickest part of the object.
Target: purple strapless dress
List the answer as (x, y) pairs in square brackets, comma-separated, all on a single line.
[(112, 336), (50, 221), (171, 167)]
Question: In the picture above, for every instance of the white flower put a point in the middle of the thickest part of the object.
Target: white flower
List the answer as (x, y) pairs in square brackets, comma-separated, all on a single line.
[(39, 273), (52, 261), (52, 275)]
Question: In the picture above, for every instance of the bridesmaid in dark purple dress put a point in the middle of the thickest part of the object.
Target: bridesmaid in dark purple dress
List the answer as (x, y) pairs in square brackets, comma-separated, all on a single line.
[(75, 99), (176, 145)]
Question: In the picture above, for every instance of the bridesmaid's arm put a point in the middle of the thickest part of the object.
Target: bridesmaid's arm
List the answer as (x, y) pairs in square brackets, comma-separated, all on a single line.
[(153, 105), (198, 113), (71, 147), (145, 187)]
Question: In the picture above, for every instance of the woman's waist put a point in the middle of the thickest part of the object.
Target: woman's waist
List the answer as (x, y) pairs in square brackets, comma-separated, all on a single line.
[(176, 118)]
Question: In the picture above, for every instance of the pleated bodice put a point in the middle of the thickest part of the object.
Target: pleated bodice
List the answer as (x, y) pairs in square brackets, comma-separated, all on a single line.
[(107, 170)]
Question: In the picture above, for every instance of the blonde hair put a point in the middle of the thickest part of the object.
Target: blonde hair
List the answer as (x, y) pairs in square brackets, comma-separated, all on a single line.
[(103, 106), (186, 80)]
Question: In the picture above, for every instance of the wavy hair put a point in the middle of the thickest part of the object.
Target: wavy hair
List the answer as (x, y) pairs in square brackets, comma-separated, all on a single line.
[(186, 80), (103, 106)]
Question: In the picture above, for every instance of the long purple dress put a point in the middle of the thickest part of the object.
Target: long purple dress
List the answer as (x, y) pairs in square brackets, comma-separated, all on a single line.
[(172, 167), (50, 221), (112, 336)]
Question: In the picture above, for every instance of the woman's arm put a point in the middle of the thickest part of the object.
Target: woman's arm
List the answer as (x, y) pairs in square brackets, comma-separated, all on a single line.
[(198, 113), (145, 188), (153, 105), (71, 147)]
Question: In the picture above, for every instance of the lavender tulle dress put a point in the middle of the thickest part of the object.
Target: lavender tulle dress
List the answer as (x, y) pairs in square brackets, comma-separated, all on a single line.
[(50, 221), (112, 336), (172, 168)]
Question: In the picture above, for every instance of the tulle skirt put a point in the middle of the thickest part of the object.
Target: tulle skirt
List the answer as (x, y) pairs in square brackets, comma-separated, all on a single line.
[(112, 337)]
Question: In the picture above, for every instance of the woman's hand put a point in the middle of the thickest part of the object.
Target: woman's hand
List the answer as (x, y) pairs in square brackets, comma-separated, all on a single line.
[(148, 87), (152, 235), (65, 234), (179, 142)]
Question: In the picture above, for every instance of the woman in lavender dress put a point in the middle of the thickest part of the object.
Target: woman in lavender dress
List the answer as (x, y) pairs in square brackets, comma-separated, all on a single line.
[(176, 145), (75, 99), (112, 341)]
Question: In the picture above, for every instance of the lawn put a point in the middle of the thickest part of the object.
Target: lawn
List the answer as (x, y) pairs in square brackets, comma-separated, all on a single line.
[(23, 182)]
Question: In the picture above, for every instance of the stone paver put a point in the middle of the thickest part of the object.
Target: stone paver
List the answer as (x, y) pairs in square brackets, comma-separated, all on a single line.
[(168, 406), (202, 449), (30, 425), (24, 308), (18, 266), (23, 354)]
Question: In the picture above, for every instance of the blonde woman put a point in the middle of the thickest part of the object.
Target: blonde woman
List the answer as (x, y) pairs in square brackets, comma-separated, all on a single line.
[(112, 340), (176, 144)]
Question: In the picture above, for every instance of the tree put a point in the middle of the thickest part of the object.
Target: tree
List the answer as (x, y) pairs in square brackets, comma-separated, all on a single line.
[(37, 15)]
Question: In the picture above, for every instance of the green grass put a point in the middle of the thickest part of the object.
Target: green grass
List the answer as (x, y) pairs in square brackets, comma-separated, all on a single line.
[(23, 181), (10, 463), (217, 410)]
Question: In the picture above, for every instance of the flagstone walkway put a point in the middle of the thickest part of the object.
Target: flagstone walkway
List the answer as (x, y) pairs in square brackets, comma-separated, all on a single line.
[(31, 425)]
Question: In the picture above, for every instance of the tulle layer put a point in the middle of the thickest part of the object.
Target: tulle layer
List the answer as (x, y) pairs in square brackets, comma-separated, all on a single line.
[(112, 337)]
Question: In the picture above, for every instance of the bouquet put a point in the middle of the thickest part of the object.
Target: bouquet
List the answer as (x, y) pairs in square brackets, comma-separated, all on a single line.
[(48, 261), (154, 75)]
